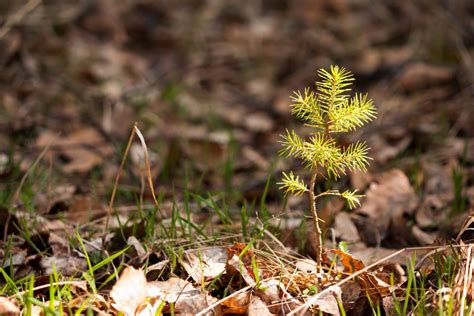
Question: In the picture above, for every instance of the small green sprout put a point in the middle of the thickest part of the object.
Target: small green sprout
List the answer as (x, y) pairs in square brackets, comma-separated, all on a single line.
[(330, 110)]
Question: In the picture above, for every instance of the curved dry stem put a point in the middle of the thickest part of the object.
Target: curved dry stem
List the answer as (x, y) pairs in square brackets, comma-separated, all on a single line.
[(117, 178)]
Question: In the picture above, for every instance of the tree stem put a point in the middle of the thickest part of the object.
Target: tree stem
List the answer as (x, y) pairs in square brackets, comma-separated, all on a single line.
[(312, 202)]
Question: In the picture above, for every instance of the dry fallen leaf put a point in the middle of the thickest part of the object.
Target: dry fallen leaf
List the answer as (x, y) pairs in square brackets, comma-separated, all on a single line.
[(387, 200), (258, 122), (205, 264), (258, 308), (351, 291), (236, 304), (344, 228), (422, 237), (130, 291), (171, 290), (16, 259), (194, 304), (384, 149), (350, 263), (205, 154), (418, 76), (306, 266), (389, 306), (83, 209), (133, 241), (370, 283), (432, 211), (327, 302), (56, 200), (186, 298), (133, 294), (66, 265), (82, 150), (360, 179), (367, 63), (8, 308), (240, 261), (237, 265), (275, 294)]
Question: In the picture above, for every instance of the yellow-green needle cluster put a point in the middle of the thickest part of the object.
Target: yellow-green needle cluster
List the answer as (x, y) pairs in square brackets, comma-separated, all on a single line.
[(329, 110)]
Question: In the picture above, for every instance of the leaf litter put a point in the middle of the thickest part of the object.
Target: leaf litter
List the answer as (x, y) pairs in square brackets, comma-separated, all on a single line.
[(208, 85)]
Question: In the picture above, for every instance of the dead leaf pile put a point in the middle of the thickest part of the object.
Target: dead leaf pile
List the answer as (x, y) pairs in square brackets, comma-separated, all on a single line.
[(208, 83), (222, 268)]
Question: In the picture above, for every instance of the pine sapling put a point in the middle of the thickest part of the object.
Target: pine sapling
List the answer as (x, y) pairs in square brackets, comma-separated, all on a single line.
[(329, 110)]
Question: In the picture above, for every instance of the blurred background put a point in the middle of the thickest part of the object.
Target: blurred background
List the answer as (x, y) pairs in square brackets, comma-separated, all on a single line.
[(208, 83)]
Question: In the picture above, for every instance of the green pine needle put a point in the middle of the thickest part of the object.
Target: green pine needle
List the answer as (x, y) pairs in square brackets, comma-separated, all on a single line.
[(349, 115), (330, 109), (333, 86), (352, 198), (355, 157), (292, 184), (305, 106), (293, 145)]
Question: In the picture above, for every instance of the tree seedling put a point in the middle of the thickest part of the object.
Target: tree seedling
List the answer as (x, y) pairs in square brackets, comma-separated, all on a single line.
[(329, 111)]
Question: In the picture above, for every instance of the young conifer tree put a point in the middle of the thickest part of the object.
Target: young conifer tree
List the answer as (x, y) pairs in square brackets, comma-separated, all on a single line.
[(330, 111)]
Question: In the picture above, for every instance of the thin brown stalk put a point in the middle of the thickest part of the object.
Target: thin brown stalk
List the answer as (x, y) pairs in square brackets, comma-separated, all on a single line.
[(117, 178), (314, 212)]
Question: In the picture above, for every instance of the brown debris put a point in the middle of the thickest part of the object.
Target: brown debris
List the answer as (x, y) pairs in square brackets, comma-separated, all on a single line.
[(209, 82), (387, 200), (82, 150), (345, 228), (8, 308), (420, 76)]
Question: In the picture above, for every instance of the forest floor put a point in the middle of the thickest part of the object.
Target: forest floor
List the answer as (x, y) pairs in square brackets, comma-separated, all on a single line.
[(193, 221)]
